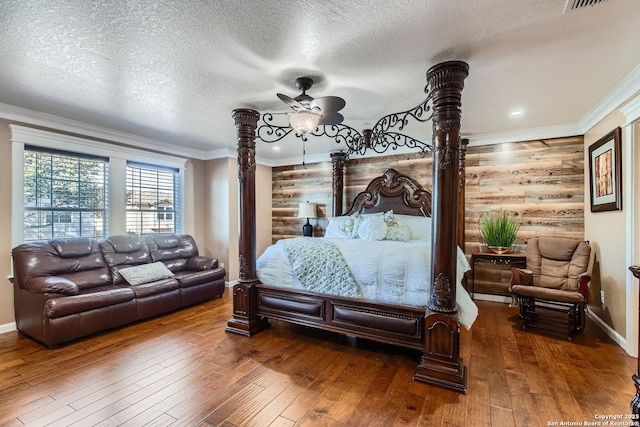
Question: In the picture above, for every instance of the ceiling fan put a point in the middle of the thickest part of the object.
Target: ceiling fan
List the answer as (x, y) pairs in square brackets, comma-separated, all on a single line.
[(309, 112)]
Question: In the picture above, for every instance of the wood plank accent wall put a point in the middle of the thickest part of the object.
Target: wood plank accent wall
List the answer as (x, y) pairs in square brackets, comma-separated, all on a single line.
[(541, 181), (312, 182)]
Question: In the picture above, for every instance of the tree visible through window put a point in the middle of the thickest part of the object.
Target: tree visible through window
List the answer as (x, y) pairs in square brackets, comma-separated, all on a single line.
[(151, 199), (65, 195)]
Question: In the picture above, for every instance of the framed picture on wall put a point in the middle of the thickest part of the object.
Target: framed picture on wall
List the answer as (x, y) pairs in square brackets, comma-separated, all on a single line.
[(605, 172)]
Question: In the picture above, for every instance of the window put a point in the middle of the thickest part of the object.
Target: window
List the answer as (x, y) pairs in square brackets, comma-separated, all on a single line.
[(66, 186), (151, 198), (65, 195)]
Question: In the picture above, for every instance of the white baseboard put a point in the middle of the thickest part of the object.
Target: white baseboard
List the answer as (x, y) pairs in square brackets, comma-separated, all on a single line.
[(7, 327), (230, 284), (619, 339)]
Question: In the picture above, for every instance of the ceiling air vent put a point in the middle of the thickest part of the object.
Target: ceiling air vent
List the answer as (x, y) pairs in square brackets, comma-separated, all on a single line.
[(580, 4)]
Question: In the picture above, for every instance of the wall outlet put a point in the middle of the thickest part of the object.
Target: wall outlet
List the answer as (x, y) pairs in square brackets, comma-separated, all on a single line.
[(602, 297), (221, 264)]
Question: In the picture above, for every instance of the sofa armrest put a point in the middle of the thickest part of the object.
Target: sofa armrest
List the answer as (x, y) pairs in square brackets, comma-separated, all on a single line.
[(521, 276), (201, 263), (51, 284)]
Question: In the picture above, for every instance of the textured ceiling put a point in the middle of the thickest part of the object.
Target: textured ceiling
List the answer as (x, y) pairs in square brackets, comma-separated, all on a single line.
[(172, 71)]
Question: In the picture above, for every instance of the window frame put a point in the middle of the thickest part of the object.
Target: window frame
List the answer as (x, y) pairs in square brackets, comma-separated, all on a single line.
[(161, 212), (118, 156)]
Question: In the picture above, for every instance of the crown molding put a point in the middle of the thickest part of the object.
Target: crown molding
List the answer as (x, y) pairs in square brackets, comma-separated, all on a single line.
[(631, 110), (623, 91), (46, 138), (46, 120), (294, 160), (530, 134), (220, 153)]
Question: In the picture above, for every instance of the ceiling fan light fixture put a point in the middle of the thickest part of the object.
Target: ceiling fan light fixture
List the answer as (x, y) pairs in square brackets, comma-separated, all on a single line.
[(304, 121)]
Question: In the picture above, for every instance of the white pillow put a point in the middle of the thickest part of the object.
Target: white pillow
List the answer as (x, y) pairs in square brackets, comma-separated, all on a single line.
[(145, 273), (347, 226), (372, 228), (419, 226)]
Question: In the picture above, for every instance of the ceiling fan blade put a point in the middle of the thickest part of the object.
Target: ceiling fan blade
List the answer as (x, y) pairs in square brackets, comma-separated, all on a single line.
[(328, 104), (331, 119), (291, 102)]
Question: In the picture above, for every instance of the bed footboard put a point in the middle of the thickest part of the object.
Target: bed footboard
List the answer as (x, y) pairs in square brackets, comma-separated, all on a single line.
[(386, 323), (436, 335)]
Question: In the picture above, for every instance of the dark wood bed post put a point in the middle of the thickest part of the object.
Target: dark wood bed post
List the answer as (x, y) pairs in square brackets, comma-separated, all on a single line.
[(441, 363), (244, 320), (338, 161), (461, 193)]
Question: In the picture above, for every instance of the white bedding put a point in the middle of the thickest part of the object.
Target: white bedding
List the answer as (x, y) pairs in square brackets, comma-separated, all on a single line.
[(387, 271)]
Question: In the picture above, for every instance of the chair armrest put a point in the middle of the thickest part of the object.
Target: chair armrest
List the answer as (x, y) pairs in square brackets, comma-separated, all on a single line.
[(201, 263), (51, 284), (584, 280), (521, 276)]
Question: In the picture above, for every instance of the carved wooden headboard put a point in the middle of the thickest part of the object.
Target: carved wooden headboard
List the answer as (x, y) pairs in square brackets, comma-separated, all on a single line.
[(393, 191)]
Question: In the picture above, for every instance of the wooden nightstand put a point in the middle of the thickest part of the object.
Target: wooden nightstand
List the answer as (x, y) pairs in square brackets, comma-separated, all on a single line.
[(511, 259)]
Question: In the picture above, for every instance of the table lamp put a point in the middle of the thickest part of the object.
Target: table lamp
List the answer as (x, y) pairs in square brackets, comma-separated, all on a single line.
[(307, 210)]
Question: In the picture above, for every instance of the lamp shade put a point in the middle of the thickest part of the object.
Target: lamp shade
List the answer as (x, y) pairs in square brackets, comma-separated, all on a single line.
[(307, 210), (304, 121)]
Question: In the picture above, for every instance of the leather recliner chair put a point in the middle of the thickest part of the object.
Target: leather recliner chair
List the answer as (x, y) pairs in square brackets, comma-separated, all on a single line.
[(553, 290)]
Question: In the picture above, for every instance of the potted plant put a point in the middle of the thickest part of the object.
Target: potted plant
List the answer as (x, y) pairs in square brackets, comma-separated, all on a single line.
[(499, 231)]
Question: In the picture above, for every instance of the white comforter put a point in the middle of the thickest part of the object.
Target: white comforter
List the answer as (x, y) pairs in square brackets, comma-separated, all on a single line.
[(388, 271)]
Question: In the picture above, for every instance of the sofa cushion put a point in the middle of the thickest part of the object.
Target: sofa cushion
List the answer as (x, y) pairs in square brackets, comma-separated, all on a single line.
[(547, 294), (145, 273), (126, 243), (64, 306), (124, 251), (154, 288), (172, 249), (72, 248), (193, 278), (557, 263)]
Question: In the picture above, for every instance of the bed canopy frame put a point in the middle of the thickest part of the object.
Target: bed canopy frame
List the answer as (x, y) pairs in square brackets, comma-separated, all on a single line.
[(440, 364)]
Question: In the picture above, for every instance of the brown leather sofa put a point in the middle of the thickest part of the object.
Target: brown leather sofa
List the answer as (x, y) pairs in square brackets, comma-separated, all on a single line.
[(66, 289)]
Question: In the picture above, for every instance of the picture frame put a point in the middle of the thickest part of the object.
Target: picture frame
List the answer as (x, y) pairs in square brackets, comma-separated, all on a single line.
[(605, 172)]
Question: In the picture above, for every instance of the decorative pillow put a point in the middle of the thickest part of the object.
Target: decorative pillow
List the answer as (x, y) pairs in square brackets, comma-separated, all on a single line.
[(390, 218), (145, 273), (372, 228), (349, 228), (419, 226), (336, 228), (399, 232)]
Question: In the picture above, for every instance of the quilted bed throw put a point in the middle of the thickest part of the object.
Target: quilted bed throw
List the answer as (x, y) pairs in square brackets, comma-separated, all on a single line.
[(320, 267)]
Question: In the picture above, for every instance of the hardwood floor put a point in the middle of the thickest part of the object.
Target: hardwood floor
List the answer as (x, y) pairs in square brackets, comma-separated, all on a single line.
[(183, 369)]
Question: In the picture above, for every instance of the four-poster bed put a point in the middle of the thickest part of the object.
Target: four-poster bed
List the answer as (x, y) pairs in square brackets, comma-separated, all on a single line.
[(434, 329)]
